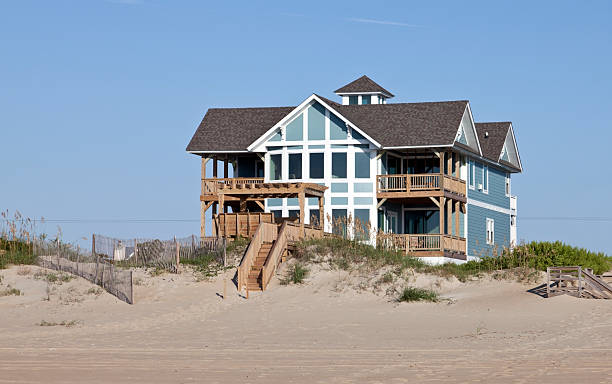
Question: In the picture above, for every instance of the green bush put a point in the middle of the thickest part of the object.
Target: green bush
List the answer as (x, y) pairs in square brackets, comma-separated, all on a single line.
[(417, 294), (295, 275)]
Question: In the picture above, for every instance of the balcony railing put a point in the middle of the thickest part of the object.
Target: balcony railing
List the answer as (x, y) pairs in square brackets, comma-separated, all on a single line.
[(421, 243), (420, 183), (212, 186)]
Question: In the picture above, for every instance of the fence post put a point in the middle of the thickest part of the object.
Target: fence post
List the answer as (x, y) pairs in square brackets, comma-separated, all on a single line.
[(547, 281), (58, 253), (579, 281), (78, 259), (224, 252), (178, 261), (131, 287)]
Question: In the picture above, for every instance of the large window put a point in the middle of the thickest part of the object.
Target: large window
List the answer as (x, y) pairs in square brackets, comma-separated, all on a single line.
[(490, 231), (317, 166), (362, 223), (339, 165), (295, 165), (337, 128), (276, 170), (316, 122), (314, 215), (366, 99), (295, 129), (339, 222), (353, 100), (362, 165)]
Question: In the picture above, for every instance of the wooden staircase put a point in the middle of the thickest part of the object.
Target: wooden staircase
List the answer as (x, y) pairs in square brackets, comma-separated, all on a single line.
[(254, 279), (576, 281)]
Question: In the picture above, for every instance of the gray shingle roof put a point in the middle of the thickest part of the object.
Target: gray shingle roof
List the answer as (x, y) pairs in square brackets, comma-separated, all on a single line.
[(363, 84), (234, 129), (407, 124), (493, 143), (391, 125)]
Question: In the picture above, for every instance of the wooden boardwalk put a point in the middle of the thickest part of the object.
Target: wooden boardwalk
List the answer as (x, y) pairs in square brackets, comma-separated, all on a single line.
[(576, 281)]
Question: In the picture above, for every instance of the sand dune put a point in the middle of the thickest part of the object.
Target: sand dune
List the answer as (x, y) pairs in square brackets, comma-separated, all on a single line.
[(181, 331)]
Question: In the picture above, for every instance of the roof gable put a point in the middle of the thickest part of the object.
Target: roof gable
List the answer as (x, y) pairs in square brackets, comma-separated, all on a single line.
[(363, 85), (498, 143)]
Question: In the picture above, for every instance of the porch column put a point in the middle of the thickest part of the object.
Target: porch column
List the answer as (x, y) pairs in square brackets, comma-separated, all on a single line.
[(457, 165), (225, 176), (214, 169), (321, 214), (441, 162), (449, 163), (442, 204), (449, 217), (301, 197), (457, 208), (221, 202), (203, 204)]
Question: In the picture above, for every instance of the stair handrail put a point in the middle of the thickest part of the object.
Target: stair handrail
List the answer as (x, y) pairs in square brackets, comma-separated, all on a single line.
[(274, 256), (264, 232)]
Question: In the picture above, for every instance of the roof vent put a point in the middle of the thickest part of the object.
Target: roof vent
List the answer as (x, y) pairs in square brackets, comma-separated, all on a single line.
[(487, 134)]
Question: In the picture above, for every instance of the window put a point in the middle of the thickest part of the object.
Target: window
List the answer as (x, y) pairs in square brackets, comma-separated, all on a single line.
[(316, 122), (353, 100), (490, 231), (485, 179), (339, 165), (339, 222), (295, 165), (317, 168), (314, 215), (277, 213), (362, 223), (366, 99), (276, 170), (337, 128), (362, 165), (508, 184), (294, 213), (294, 130), (472, 174)]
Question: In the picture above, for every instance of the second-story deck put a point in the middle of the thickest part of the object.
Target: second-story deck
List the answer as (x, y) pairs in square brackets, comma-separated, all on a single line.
[(420, 185)]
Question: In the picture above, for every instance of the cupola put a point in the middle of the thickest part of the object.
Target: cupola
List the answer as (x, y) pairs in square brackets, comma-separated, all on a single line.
[(363, 91)]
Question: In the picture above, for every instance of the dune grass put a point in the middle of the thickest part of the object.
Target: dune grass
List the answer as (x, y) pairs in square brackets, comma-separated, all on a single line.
[(347, 254), (296, 275), (411, 294)]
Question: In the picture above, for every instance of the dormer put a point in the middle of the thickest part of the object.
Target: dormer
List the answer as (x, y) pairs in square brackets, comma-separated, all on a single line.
[(363, 91)]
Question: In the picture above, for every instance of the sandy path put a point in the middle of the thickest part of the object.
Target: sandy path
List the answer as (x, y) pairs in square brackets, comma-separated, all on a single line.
[(182, 331)]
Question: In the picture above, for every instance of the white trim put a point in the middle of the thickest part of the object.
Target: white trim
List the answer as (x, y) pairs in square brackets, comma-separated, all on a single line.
[(474, 128), (518, 157), (471, 173), (481, 204), (205, 152), (420, 146), (508, 185), (364, 93), (299, 109)]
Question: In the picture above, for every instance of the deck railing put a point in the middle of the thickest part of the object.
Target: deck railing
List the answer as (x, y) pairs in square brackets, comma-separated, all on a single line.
[(212, 186), (421, 242), (420, 182), (242, 224)]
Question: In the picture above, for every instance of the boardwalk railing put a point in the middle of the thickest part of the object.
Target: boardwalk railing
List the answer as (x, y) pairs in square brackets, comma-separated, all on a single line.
[(421, 242), (420, 182), (265, 233), (576, 281)]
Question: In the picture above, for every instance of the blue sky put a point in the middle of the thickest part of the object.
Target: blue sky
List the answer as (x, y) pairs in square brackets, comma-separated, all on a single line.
[(98, 99)]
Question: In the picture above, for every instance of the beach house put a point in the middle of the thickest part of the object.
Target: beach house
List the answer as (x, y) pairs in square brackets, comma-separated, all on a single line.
[(423, 177)]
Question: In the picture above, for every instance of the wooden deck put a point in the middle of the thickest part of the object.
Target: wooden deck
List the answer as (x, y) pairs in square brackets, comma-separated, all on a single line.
[(424, 245), (576, 281), (420, 185)]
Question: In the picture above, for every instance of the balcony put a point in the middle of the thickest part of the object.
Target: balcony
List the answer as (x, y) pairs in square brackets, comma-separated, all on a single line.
[(420, 185), (423, 245), (213, 186)]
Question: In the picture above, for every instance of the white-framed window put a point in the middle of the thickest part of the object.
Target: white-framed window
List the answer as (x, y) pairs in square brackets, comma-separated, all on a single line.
[(507, 184), (472, 174), (490, 231), (485, 178)]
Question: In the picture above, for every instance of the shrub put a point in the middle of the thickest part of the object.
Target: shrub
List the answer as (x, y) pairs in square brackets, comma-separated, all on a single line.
[(9, 291), (296, 275), (417, 294)]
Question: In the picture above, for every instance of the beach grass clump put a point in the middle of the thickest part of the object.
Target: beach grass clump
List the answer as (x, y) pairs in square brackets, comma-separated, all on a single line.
[(411, 294), (347, 254), (296, 275), (10, 291), (205, 263), (64, 323)]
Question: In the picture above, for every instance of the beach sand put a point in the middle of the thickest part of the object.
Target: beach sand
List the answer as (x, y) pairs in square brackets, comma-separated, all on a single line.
[(182, 331)]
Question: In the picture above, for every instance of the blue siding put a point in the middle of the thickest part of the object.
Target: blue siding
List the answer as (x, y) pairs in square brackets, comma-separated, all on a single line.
[(477, 229), (497, 187)]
